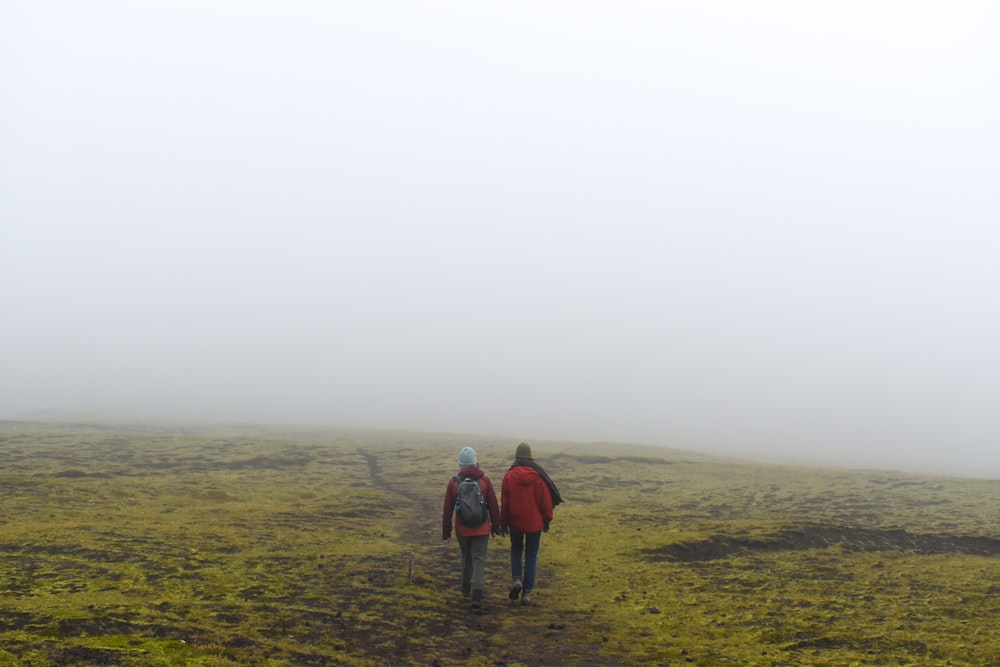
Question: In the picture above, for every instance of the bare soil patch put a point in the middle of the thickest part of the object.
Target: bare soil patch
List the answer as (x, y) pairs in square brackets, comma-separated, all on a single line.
[(821, 536)]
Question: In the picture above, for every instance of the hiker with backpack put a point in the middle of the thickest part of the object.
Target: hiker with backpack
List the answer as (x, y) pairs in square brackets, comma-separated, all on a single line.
[(527, 498), (471, 499)]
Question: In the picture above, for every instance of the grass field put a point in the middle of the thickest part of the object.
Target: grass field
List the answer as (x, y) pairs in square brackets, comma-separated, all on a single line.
[(160, 545)]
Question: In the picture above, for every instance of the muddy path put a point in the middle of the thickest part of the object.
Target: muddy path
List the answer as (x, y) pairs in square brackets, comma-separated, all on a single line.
[(504, 632)]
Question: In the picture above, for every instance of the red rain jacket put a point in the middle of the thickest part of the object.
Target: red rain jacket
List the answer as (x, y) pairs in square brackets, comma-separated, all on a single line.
[(525, 500)]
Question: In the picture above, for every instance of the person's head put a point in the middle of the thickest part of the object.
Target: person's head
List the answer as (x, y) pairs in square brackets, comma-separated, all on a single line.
[(523, 451), (467, 457)]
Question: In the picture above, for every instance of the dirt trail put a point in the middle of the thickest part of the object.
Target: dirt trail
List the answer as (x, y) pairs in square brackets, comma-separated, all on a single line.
[(535, 635), (422, 511)]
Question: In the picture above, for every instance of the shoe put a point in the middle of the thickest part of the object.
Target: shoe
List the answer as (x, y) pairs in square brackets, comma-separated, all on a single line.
[(477, 598), (525, 597), (515, 589)]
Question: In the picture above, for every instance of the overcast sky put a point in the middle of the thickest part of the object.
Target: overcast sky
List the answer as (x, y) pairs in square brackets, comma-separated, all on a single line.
[(759, 228)]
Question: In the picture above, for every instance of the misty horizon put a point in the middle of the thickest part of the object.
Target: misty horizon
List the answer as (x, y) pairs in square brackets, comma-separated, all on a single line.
[(546, 445), (760, 231)]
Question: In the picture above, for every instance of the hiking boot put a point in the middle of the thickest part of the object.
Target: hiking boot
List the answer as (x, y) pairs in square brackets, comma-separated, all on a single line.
[(515, 589), (526, 598), (477, 598)]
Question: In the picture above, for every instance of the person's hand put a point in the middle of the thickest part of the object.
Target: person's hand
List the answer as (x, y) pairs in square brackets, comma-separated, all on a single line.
[(503, 532), (545, 528)]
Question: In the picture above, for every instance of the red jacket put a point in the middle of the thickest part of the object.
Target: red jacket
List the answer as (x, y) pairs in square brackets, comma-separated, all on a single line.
[(491, 525), (525, 500)]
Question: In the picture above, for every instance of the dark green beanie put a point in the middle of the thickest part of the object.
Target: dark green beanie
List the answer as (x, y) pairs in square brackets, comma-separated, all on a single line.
[(523, 451)]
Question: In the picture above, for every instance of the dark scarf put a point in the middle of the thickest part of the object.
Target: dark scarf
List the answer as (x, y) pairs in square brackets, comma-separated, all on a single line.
[(553, 491)]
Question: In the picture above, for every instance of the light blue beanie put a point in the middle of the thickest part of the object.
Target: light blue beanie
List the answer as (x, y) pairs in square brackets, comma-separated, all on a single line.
[(467, 457)]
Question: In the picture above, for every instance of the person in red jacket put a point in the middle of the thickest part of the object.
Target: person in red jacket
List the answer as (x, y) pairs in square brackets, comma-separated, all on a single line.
[(527, 497), (472, 540)]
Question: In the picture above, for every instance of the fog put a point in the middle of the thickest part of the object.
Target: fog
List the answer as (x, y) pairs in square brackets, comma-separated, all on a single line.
[(765, 229)]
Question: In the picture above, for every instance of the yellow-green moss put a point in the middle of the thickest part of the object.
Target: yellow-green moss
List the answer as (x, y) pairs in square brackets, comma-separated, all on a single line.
[(286, 547)]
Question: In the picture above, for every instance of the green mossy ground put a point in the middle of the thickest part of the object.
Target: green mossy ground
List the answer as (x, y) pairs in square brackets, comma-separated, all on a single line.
[(131, 545)]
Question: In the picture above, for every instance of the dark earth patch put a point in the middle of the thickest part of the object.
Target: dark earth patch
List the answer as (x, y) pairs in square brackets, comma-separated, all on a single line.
[(821, 536), (266, 463), (596, 460), (82, 655), (73, 473)]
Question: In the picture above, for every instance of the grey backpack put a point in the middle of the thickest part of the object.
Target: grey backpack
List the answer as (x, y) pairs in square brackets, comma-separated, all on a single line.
[(470, 505)]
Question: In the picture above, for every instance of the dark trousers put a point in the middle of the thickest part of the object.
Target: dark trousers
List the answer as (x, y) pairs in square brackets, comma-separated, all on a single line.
[(473, 551), (524, 545)]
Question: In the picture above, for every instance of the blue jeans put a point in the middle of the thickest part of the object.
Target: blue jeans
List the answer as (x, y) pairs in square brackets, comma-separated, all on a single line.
[(526, 545)]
